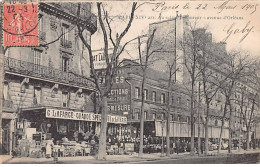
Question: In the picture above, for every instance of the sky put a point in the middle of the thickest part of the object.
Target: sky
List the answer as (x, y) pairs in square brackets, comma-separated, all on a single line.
[(235, 22)]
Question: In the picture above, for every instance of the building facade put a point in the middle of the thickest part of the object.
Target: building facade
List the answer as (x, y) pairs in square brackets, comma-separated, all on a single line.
[(45, 84)]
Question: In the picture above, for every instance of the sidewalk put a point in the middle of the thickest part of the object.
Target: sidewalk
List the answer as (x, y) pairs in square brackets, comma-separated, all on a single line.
[(119, 158), (4, 158)]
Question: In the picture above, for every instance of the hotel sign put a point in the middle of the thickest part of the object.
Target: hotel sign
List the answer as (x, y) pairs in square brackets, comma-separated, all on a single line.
[(73, 115)]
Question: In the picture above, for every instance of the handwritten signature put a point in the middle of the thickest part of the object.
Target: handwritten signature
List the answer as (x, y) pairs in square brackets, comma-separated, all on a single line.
[(232, 30)]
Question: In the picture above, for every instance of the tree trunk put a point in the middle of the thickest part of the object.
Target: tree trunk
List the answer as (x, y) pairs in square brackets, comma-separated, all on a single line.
[(221, 133), (222, 127), (230, 131), (142, 117), (207, 131), (168, 129), (247, 138), (102, 137), (192, 120)]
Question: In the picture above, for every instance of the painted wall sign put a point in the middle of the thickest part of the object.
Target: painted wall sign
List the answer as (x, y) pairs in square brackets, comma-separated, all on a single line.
[(73, 115)]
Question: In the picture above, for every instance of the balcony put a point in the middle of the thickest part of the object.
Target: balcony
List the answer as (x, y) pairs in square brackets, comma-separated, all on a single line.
[(8, 105), (42, 36), (66, 43), (20, 67)]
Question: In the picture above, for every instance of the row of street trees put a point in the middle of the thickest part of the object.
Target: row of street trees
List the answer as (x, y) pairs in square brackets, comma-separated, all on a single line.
[(217, 71)]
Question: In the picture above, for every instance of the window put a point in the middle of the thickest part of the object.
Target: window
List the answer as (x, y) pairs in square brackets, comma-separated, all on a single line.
[(65, 32), (162, 98), (145, 115), (154, 116), (65, 64), (145, 94), (5, 91), (171, 117), (163, 116), (37, 95), (136, 114), (179, 100), (172, 99), (41, 23), (137, 93), (216, 123), (65, 99), (179, 117), (154, 96), (37, 59), (188, 103)]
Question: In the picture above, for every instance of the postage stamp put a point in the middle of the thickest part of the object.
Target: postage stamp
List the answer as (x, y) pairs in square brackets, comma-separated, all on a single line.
[(20, 24)]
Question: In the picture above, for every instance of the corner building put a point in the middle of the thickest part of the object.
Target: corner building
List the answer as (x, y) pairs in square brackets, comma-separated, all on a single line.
[(53, 77)]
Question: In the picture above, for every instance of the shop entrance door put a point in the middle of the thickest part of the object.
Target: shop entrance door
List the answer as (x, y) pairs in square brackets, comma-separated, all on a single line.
[(6, 137)]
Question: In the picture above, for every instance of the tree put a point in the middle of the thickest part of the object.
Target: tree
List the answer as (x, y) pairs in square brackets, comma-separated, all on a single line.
[(249, 100), (208, 79), (111, 62), (234, 68), (144, 63), (189, 46)]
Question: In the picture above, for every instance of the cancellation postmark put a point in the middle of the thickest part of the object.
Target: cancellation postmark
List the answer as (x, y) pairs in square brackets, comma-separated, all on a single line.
[(20, 23)]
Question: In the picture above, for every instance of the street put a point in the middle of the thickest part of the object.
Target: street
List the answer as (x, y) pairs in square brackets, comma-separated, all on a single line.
[(251, 156)]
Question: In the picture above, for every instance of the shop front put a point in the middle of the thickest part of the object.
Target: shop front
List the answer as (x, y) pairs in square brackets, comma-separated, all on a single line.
[(7, 132), (69, 133)]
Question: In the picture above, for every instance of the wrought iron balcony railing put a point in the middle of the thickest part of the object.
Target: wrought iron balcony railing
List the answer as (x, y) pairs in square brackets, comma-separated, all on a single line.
[(42, 36), (66, 43), (8, 104), (46, 73)]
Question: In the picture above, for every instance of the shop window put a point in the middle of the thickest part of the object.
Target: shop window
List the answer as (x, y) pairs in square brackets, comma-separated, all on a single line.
[(145, 94), (5, 91), (65, 64), (137, 92), (154, 96), (37, 95), (162, 98), (65, 99)]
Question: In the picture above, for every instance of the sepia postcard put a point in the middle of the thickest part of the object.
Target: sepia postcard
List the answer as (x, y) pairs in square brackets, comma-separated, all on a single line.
[(130, 82)]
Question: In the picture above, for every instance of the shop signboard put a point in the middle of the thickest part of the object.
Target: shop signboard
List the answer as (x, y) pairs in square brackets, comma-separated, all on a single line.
[(99, 61), (119, 99), (81, 116)]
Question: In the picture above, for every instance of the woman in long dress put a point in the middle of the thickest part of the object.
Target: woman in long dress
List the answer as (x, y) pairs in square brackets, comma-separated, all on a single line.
[(49, 148)]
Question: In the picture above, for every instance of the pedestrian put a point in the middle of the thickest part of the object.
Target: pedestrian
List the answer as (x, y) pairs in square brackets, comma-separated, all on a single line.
[(202, 147), (174, 147), (178, 146), (49, 148)]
